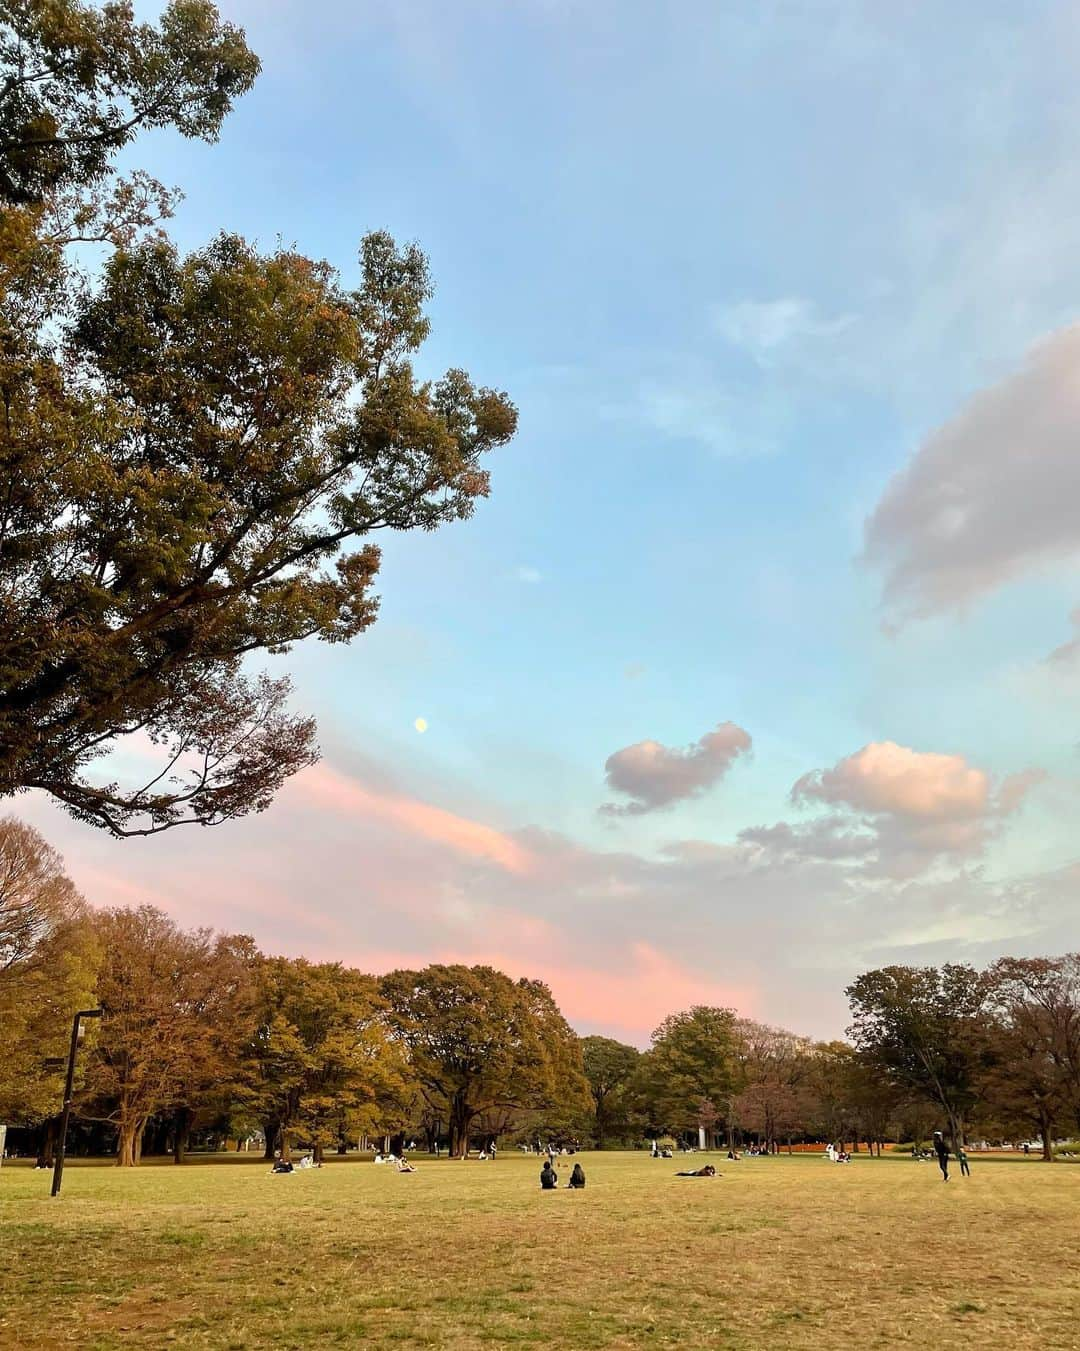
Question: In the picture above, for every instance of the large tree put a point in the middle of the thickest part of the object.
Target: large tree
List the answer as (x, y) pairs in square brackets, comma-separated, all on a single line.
[(690, 1075), (168, 1026), (609, 1067), (478, 1041), (47, 962), (196, 453), (924, 1028), (323, 1064)]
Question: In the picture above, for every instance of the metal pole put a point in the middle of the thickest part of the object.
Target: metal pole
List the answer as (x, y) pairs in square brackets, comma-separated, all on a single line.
[(69, 1088)]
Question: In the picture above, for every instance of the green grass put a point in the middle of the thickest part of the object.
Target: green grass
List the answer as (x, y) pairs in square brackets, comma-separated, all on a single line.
[(774, 1253)]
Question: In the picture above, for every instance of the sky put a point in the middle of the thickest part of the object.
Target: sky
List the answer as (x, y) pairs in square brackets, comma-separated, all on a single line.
[(761, 665)]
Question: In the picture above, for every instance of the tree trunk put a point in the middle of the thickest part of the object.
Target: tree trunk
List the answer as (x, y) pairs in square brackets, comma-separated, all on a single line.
[(285, 1151), (460, 1120), (129, 1143), (316, 1154), (271, 1130), (47, 1142), (1046, 1130), (182, 1124)]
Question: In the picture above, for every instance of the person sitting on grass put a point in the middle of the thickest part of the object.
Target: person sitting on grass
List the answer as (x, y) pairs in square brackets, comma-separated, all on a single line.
[(282, 1166), (404, 1166), (707, 1171), (577, 1178), (549, 1178)]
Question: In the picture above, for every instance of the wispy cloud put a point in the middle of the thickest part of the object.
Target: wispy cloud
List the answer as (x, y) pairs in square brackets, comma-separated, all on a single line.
[(990, 496), (763, 327), (331, 790)]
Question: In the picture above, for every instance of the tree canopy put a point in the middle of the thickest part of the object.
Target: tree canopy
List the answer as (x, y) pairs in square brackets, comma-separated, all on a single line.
[(609, 1067), (47, 971), (80, 82), (197, 452), (478, 1040), (922, 1026)]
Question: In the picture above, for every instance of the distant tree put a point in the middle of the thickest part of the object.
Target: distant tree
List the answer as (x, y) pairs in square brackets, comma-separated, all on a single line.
[(47, 960), (160, 989), (323, 1065), (923, 1028), (197, 452), (1037, 1042), (773, 1071), (478, 1041), (223, 1013), (873, 1101), (609, 1067), (831, 1112), (692, 1063)]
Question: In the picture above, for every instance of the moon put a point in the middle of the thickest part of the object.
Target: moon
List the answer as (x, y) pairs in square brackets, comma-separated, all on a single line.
[(420, 724)]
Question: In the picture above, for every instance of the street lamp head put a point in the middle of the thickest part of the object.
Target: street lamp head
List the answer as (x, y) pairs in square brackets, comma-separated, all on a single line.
[(91, 1013)]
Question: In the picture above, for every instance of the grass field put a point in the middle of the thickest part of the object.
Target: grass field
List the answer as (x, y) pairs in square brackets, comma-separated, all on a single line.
[(774, 1253)]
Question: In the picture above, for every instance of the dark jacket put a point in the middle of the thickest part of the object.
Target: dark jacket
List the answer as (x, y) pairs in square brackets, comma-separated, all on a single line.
[(548, 1177)]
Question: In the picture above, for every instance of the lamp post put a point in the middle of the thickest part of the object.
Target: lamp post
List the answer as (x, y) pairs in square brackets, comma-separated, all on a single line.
[(69, 1088)]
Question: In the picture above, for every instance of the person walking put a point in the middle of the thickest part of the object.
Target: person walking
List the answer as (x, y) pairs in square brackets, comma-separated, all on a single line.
[(941, 1149)]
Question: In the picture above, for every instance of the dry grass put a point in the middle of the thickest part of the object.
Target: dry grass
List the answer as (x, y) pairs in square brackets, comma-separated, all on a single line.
[(777, 1253)]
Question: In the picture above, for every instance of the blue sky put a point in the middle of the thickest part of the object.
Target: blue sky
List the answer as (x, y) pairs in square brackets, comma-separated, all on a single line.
[(748, 271)]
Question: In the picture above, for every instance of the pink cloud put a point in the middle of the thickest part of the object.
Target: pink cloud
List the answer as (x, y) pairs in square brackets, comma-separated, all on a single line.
[(914, 807), (330, 790), (655, 776), (885, 777)]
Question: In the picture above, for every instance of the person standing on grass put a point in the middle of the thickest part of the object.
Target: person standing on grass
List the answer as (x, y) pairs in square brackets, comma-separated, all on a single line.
[(961, 1154), (941, 1149)]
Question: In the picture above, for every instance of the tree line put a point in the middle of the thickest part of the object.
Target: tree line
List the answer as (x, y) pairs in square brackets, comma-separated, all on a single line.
[(204, 1036)]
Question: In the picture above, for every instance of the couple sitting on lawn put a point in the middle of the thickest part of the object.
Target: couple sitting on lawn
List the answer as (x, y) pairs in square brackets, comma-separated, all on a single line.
[(549, 1178)]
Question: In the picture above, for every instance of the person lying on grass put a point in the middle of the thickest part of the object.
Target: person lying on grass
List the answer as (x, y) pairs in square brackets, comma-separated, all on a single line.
[(707, 1171)]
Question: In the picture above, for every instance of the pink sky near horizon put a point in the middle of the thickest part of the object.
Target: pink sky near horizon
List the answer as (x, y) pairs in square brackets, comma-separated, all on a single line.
[(626, 992)]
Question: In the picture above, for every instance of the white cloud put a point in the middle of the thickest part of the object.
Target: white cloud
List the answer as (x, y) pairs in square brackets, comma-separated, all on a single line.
[(762, 327), (530, 576)]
